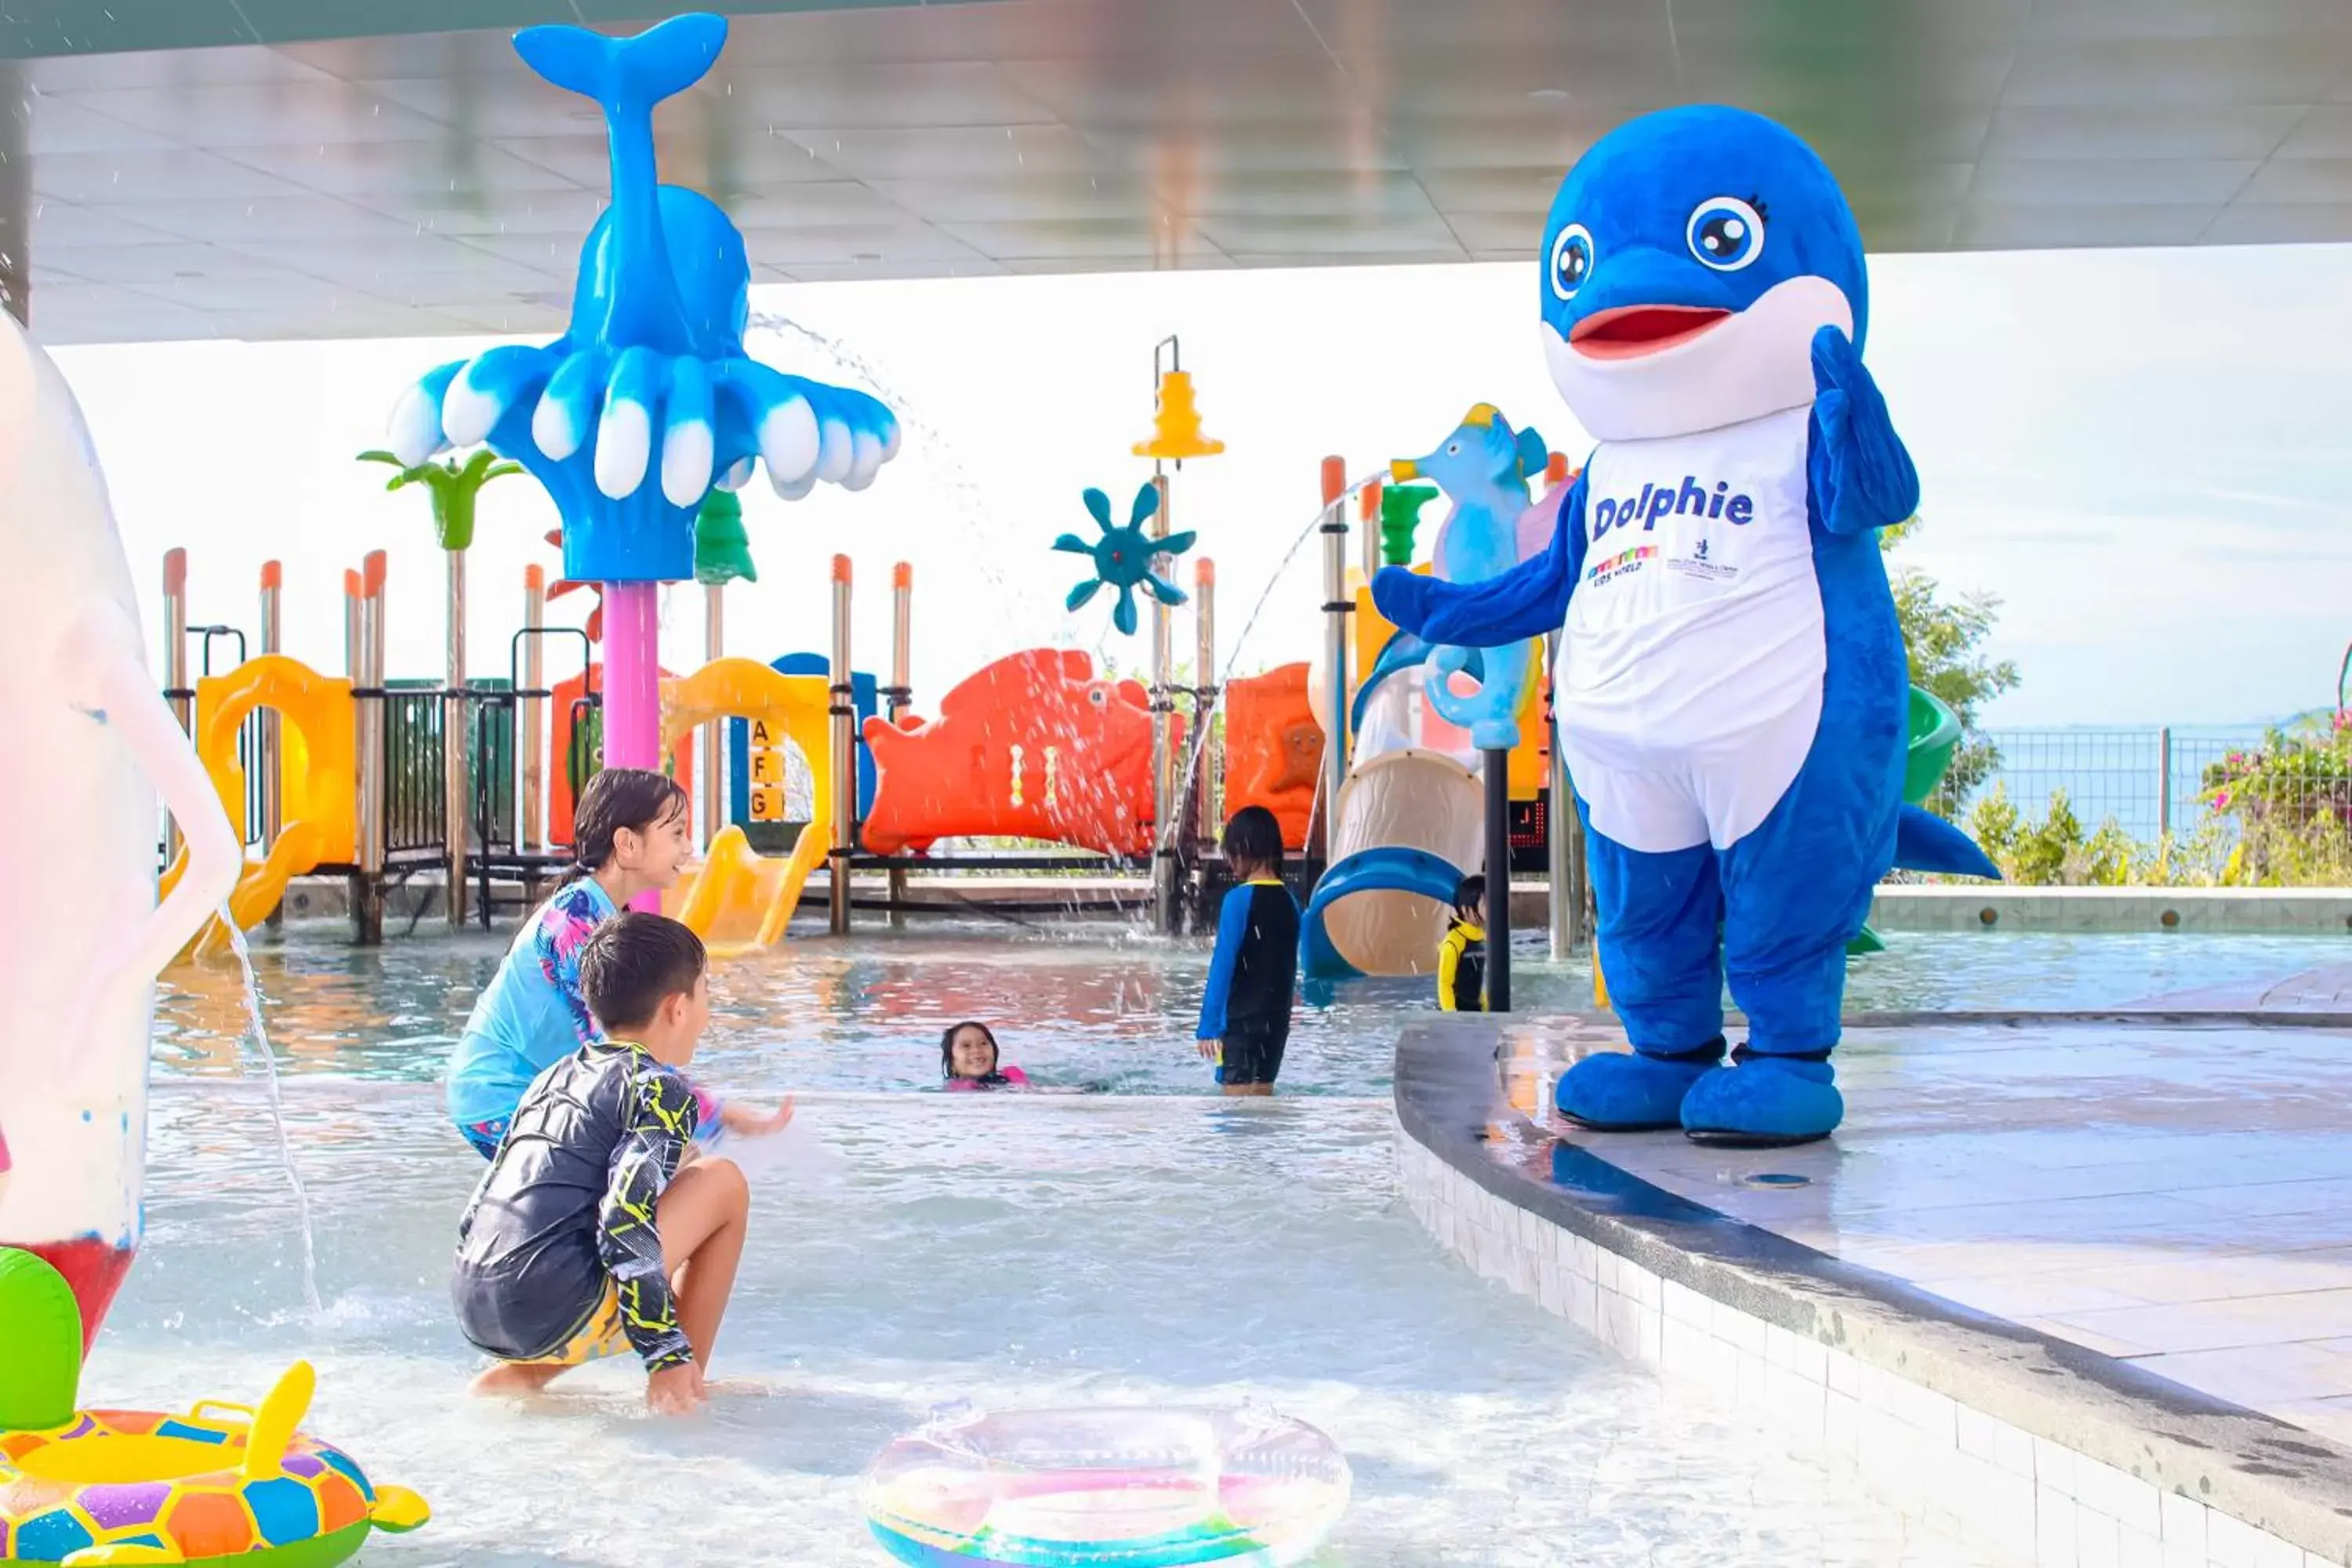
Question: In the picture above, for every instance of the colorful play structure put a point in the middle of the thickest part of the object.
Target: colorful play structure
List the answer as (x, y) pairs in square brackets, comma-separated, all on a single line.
[(352, 774), (1396, 768)]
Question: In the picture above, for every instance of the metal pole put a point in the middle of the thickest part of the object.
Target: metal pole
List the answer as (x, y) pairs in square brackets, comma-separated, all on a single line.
[(176, 666), (273, 579), (714, 735), (1368, 515), (844, 752), (1337, 608), (900, 692), (367, 884), (1165, 830), (273, 583), (2164, 784), (352, 591), (1498, 879), (1559, 812), (532, 714), (1205, 695), (455, 791)]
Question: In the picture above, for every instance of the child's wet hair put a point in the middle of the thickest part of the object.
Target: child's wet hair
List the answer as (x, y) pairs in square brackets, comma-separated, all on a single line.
[(1252, 837), (634, 964), (1470, 893), (633, 798), (947, 1046)]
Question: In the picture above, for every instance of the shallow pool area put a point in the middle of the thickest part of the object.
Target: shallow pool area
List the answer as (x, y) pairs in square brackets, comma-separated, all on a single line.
[(1091, 1006), (1142, 1242), (909, 1251)]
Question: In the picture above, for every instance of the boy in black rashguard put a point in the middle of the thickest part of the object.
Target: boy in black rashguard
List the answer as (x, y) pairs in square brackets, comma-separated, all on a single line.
[(578, 1241), (1245, 1010)]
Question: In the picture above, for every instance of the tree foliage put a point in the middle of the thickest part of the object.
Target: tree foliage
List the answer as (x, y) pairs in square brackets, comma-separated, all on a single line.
[(1945, 642)]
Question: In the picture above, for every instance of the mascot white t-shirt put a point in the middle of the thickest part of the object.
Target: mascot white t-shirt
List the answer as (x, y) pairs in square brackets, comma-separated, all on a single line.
[(1690, 683)]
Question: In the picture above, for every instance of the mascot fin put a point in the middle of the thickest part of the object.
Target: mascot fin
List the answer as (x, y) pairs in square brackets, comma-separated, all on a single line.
[(1925, 842)]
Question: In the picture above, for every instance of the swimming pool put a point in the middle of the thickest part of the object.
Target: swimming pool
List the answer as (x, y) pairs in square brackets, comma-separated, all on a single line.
[(1093, 1004), (922, 1249), (1139, 1243)]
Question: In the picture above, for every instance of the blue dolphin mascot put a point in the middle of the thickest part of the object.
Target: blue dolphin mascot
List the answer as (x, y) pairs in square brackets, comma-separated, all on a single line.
[(1732, 689)]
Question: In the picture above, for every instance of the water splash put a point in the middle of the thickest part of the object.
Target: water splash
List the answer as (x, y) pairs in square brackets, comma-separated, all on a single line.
[(259, 1035), (927, 448), (1196, 751)]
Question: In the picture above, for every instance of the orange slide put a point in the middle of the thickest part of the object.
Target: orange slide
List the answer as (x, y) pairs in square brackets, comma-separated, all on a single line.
[(739, 899), (318, 800)]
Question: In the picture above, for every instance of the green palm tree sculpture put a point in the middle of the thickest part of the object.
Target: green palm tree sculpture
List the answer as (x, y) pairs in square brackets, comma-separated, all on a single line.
[(454, 486)]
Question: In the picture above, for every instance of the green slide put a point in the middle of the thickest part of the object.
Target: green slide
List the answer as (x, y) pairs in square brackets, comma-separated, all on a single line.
[(1934, 736)]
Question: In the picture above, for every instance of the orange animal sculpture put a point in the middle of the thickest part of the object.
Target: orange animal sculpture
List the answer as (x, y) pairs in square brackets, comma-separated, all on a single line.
[(1032, 747), (1274, 749)]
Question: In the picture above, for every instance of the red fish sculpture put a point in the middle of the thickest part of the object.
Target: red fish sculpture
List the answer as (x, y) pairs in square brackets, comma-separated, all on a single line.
[(1031, 747)]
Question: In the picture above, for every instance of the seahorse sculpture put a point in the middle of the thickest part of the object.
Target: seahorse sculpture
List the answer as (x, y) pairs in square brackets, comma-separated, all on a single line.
[(1483, 469)]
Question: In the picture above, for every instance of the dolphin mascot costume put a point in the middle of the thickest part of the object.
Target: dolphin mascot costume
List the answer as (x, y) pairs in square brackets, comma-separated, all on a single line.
[(1732, 691)]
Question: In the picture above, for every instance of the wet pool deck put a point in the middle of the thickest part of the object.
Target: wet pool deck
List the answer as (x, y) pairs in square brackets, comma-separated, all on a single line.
[(2172, 1189)]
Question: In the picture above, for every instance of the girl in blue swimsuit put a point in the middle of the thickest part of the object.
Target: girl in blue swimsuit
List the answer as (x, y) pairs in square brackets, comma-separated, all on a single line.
[(632, 833)]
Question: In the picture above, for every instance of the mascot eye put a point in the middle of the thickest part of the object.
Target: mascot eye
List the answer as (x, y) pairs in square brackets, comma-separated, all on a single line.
[(1726, 233), (1571, 260)]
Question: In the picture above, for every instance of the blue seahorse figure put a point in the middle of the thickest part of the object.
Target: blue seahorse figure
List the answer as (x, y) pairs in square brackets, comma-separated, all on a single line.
[(652, 375), (1733, 691), (1483, 469)]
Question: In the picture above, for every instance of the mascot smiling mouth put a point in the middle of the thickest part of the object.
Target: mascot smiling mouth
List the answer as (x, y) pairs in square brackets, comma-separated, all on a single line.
[(1632, 331)]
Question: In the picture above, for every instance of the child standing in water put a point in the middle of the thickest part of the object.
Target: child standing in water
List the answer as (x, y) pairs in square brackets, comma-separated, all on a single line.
[(631, 834), (1246, 1011), (593, 1232), (1461, 956), (967, 1058)]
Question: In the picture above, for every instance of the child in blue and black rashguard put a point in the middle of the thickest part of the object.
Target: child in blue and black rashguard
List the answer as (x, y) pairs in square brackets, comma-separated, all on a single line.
[(1245, 1012)]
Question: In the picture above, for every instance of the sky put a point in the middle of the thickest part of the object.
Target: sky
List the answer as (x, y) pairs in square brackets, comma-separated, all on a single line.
[(2140, 453)]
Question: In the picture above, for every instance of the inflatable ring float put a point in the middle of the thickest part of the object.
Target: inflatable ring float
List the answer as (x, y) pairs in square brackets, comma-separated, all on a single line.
[(110, 1489), (1094, 1488)]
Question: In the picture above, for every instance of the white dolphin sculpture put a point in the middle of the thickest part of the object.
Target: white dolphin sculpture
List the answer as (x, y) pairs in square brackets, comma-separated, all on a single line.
[(89, 746)]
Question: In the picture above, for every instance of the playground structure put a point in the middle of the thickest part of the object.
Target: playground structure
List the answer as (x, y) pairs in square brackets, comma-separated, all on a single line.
[(351, 775)]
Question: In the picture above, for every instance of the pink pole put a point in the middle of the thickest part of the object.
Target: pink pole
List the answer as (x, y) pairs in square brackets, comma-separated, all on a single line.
[(632, 686)]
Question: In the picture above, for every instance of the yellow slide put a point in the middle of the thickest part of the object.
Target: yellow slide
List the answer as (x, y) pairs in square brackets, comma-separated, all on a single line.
[(739, 899), (318, 798)]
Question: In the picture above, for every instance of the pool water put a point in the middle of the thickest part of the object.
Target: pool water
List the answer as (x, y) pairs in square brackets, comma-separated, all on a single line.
[(1139, 1243), (909, 1250), (1094, 1006)]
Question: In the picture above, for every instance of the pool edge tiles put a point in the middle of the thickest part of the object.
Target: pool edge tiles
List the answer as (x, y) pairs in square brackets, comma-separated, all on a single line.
[(2031, 1447)]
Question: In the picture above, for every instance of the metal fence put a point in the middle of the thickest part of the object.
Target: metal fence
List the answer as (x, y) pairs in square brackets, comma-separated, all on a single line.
[(2149, 781)]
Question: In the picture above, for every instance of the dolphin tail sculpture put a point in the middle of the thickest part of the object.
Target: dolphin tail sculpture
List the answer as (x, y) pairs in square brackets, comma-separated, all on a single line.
[(79, 949), (626, 76)]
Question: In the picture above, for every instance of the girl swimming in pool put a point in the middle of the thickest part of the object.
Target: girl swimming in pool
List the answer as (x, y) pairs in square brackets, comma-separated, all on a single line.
[(632, 833), (968, 1056)]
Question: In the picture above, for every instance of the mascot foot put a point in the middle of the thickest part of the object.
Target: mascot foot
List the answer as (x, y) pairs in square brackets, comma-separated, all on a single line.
[(1763, 1102), (1637, 1093)]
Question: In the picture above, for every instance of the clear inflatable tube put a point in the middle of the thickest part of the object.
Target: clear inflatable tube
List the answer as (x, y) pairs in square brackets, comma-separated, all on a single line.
[(1135, 1488)]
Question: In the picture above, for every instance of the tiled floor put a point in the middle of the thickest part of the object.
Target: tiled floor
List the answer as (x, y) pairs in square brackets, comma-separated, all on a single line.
[(2327, 990), (2178, 1196)]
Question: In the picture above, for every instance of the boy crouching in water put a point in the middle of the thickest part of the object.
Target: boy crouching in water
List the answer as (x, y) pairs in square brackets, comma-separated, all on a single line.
[(586, 1238)]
